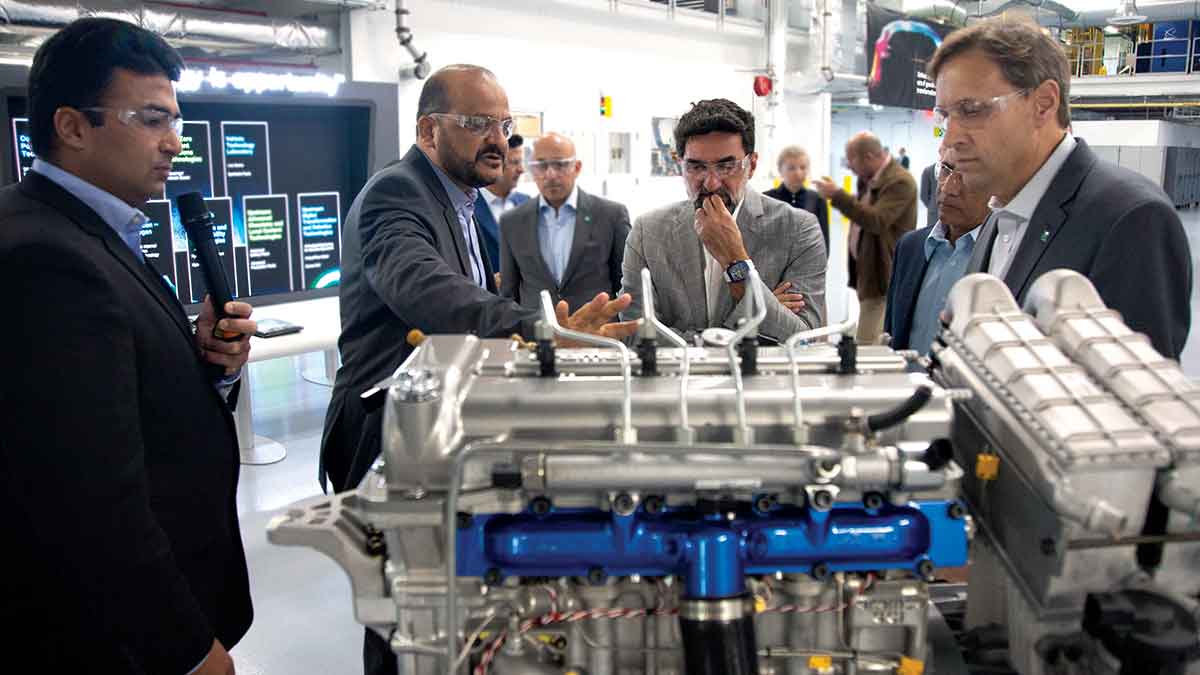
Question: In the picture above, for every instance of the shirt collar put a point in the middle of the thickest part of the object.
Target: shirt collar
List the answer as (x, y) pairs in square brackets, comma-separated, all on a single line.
[(937, 237), (491, 197), (118, 215), (461, 200), (887, 160), (572, 201), (1023, 205)]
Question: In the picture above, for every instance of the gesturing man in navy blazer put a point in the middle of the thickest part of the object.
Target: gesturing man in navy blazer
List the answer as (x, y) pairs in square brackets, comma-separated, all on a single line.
[(930, 260), (120, 460), (1002, 100)]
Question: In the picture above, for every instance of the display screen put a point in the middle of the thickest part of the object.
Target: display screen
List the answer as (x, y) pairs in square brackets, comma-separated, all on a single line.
[(275, 177)]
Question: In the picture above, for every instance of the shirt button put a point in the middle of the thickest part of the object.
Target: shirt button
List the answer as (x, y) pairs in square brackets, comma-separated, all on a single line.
[(1006, 238)]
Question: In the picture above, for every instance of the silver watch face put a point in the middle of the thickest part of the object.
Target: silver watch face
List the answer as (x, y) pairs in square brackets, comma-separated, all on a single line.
[(738, 271)]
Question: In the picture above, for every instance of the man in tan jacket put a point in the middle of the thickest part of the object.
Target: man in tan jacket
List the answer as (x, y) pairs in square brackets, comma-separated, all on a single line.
[(880, 215)]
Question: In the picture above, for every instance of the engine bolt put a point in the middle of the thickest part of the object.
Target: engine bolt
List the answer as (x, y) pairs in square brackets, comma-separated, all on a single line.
[(925, 570), (653, 504), (623, 504), (823, 500), (819, 571), (873, 501), (540, 506), (596, 576), (956, 511)]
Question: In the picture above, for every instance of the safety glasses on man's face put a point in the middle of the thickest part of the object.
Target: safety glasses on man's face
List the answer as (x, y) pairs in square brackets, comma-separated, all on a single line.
[(540, 167), (152, 119), (694, 168), (971, 113)]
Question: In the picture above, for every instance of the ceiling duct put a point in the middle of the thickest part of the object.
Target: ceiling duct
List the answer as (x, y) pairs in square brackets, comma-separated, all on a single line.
[(1127, 15), (27, 24)]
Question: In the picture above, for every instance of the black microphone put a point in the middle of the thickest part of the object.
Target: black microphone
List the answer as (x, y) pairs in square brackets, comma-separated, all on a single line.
[(198, 222)]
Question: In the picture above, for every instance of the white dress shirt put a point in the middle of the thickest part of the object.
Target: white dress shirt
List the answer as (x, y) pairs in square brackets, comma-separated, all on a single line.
[(714, 278), (496, 204), (1012, 219)]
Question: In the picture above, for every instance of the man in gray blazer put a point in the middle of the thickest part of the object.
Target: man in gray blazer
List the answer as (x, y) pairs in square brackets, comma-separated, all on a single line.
[(699, 251), (1002, 92), (566, 241)]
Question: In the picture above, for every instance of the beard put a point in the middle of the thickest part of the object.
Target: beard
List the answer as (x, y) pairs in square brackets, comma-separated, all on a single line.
[(721, 192), (468, 171)]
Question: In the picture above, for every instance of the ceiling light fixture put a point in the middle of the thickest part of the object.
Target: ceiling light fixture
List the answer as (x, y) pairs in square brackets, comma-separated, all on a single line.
[(1127, 14)]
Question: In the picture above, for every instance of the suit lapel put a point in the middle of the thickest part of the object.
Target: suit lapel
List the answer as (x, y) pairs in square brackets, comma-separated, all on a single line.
[(691, 263), (1048, 218), (418, 159), (50, 193), (583, 232)]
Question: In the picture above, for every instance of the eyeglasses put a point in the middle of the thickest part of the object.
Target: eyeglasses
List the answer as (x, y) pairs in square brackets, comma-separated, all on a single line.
[(541, 167), (151, 119), (945, 173), (480, 125), (694, 168), (971, 113)]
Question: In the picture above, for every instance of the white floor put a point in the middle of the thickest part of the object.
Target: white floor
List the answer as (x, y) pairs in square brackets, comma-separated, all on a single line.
[(303, 622)]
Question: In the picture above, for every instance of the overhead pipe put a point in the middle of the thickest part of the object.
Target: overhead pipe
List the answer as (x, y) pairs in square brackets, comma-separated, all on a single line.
[(186, 26), (420, 67)]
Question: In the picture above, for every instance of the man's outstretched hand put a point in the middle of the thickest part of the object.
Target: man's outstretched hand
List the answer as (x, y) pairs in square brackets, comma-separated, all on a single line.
[(595, 317)]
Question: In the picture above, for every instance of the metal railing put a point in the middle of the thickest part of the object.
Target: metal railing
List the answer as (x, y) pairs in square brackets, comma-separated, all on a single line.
[(1089, 59)]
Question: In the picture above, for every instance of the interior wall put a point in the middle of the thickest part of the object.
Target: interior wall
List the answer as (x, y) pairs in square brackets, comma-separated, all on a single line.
[(558, 59)]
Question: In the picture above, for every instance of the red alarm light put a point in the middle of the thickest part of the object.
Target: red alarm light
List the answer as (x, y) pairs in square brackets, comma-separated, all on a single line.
[(762, 85)]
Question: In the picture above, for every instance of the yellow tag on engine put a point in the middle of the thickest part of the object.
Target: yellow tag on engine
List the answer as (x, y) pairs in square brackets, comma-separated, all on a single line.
[(820, 662), (910, 666), (760, 604), (987, 466)]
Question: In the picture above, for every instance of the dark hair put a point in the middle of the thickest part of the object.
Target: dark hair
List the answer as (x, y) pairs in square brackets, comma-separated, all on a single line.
[(435, 94), (1026, 56), (716, 114), (75, 67), (515, 141)]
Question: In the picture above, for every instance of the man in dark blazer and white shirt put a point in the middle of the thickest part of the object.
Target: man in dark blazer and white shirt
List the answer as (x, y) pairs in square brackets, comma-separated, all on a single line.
[(120, 459), (1002, 92), (566, 241), (499, 198)]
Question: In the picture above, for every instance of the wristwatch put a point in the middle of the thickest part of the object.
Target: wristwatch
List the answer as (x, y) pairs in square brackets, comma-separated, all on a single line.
[(738, 270)]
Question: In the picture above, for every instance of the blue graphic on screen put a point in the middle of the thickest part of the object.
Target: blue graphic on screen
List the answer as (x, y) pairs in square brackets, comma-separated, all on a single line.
[(320, 239), (191, 171), (246, 151)]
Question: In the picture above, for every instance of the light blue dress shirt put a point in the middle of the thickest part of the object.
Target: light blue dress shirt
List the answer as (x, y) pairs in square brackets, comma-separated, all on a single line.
[(556, 231), (463, 203), (945, 265), (125, 220)]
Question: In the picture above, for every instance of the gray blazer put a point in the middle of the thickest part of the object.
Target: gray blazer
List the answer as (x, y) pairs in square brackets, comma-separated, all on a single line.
[(594, 266), (784, 243), (1121, 232)]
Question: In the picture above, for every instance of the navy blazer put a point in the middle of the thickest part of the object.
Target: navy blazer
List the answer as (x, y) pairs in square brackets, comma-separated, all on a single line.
[(908, 272), (488, 226), (1119, 230)]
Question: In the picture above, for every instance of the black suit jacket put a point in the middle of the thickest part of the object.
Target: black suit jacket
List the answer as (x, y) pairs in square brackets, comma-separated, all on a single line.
[(404, 266), (1120, 231), (908, 272), (594, 266), (808, 200), (120, 459)]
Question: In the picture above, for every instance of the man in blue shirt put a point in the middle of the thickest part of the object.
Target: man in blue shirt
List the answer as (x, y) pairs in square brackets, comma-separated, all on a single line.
[(501, 197), (136, 563), (567, 241), (930, 260)]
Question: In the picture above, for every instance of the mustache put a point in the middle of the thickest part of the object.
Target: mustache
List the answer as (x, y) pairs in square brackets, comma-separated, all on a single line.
[(491, 150), (722, 193)]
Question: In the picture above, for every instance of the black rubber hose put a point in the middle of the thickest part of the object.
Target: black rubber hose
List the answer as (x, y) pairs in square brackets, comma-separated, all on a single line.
[(891, 418)]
